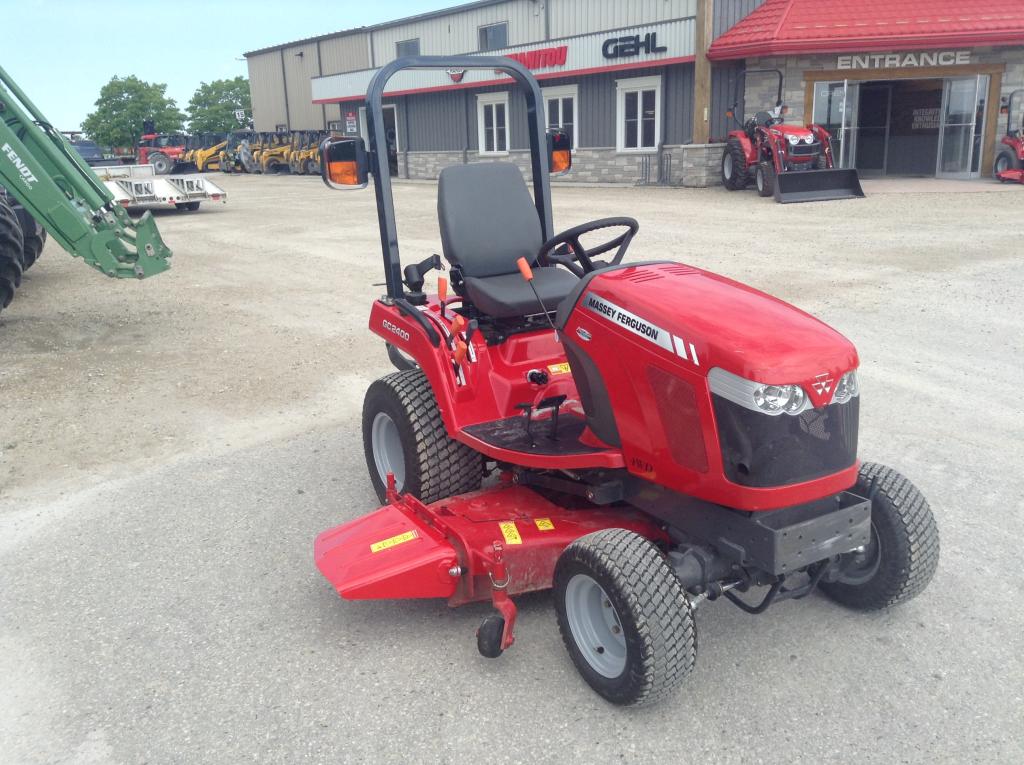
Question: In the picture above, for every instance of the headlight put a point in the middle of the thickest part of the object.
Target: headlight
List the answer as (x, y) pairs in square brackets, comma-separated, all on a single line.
[(768, 399), (793, 139), (809, 139), (848, 388)]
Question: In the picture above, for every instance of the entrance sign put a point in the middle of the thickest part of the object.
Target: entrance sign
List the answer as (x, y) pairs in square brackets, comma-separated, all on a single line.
[(904, 60)]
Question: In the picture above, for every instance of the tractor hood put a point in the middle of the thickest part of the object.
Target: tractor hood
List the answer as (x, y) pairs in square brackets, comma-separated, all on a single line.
[(710, 321), (798, 130)]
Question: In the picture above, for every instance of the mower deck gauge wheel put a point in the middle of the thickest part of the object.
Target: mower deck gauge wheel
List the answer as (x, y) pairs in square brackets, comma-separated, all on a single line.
[(488, 636)]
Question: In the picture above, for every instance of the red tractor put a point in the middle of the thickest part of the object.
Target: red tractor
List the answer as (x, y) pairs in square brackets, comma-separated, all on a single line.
[(640, 437), (164, 152), (1009, 164), (791, 163)]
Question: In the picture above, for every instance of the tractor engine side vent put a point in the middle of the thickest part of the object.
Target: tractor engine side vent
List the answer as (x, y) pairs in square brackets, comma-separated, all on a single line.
[(678, 269), (680, 419), (641, 276)]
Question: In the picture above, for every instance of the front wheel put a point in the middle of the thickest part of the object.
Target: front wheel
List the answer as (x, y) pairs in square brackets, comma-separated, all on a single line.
[(764, 178), (903, 553), (624, 617), (1006, 160), (403, 434), (161, 163), (734, 166)]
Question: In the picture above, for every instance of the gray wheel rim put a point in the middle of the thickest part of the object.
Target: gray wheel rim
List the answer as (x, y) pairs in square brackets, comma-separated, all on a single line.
[(1002, 163), (595, 626), (860, 567), (727, 167), (387, 449)]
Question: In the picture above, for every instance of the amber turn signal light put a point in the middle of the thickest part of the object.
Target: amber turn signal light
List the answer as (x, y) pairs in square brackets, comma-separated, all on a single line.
[(344, 173)]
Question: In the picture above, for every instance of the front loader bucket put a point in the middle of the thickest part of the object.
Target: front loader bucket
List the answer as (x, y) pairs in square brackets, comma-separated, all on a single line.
[(817, 185)]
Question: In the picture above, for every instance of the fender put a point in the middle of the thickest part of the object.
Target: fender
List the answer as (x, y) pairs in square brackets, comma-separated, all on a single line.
[(747, 145)]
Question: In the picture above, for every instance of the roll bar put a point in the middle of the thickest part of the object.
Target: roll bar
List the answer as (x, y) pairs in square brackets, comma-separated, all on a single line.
[(378, 159), (742, 79)]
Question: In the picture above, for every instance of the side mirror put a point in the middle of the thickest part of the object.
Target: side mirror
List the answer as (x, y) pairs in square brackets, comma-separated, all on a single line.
[(784, 109), (344, 164), (559, 152)]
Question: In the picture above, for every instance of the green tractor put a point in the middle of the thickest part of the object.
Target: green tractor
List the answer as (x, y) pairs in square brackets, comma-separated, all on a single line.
[(48, 188)]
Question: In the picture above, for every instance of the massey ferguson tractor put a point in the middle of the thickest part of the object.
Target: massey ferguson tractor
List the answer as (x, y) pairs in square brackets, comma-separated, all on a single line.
[(791, 163), (641, 437), (1009, 164)]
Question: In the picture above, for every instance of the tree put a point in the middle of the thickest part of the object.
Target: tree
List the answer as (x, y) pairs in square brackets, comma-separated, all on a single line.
[(124, 104), (212, 107)]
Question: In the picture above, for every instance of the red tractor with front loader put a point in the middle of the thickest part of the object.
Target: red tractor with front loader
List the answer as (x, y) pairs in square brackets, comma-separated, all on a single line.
[(1009, 164), (640, 437), (790, 162), (163, 151)]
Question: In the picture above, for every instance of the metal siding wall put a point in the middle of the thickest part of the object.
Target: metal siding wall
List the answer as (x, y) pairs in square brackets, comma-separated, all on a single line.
[(677, 90), (436, 122), (723, 86), (345, 54), (299, 70), (575, 17), (728, 13), (458, 33), (266, 86)]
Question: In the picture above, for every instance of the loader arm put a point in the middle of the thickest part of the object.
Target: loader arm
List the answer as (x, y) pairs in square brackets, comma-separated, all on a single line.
[(40, 169)]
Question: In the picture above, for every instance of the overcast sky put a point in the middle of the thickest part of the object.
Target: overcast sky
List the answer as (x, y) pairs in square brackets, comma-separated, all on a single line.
[(62, 52)]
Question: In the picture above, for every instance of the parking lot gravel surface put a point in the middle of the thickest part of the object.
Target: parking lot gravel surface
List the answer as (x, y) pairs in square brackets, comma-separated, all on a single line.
[(170, 448)]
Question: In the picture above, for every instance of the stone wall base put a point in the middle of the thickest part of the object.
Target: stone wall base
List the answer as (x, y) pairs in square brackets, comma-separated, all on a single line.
[(693, 165)]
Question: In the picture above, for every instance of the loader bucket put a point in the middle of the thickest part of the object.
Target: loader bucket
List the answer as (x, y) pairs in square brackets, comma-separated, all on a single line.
[(817, 185)]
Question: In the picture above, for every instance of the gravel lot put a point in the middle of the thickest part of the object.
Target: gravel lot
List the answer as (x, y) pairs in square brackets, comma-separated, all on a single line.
[(170, 448)]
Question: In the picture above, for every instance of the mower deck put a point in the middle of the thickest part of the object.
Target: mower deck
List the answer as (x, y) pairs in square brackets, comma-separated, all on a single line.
[(1011, 176)]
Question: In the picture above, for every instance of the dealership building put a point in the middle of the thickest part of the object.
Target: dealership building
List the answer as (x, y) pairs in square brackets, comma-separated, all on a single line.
[(905, 87)]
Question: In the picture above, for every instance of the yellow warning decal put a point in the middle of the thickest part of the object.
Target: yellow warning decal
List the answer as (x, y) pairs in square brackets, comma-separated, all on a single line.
[(544, 524), (398, 539), (558, 369), (510, 532)]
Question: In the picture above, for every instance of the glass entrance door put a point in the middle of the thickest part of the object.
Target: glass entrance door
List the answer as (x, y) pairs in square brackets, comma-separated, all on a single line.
[(835, 109), (963, 125)]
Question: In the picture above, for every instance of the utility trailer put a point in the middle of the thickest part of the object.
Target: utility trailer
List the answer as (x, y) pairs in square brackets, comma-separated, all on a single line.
[(139, 186)]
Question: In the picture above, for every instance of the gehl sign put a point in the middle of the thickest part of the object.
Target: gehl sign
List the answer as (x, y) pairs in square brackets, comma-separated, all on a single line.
[(632, 45)]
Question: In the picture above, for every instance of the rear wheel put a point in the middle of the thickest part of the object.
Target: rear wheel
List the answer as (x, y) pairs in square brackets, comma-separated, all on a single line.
[(764, 178), (734, 166), (901, 558), (161, 163), (624, 617), (11, 257), (34, 241), (403, 434), (1006, 160)]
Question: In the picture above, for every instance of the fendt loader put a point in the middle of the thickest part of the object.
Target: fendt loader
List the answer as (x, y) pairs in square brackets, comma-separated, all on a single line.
[(48, 188)]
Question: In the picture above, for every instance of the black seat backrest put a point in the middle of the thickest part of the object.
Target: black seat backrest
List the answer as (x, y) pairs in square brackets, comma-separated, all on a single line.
[(487, 218)]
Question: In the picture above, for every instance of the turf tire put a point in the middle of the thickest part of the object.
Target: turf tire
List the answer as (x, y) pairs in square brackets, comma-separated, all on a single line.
[(436, 466), (34, 242), (1005, 160), (904, 536), (734, 166), (765, 179), (12, 244), (655, 615)]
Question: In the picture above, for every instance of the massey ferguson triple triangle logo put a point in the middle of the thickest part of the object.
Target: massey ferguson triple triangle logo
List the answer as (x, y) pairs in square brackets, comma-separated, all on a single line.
[(822, 383)]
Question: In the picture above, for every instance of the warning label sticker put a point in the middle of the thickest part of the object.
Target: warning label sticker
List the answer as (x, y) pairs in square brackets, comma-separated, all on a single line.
[(390, 542), (510, 532), (558, 369), (544, 524)]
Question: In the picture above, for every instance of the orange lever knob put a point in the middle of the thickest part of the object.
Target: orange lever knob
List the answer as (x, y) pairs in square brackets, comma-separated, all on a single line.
[(442, 289), (524, 269), (461, 349), (458, 323)]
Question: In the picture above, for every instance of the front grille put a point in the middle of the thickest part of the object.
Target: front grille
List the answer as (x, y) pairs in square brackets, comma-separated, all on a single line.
[(761, 450), (805, 149)]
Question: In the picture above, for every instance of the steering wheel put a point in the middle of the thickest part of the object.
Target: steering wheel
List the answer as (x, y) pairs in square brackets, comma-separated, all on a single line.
[(565, 248)]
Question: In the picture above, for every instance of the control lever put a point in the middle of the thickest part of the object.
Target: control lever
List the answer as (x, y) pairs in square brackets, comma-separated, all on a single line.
[(442, 294), (527, 272)]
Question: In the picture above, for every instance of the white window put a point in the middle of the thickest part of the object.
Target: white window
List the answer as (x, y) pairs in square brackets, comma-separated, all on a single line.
[(561, 109), (638, 114), (407, 47), (492, 122)]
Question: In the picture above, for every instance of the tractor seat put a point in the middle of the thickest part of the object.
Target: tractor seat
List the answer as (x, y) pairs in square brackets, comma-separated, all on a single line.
[(488, 222)]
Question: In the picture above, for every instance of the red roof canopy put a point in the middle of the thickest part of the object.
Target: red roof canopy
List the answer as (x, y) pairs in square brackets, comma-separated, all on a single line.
[(790, 27)]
